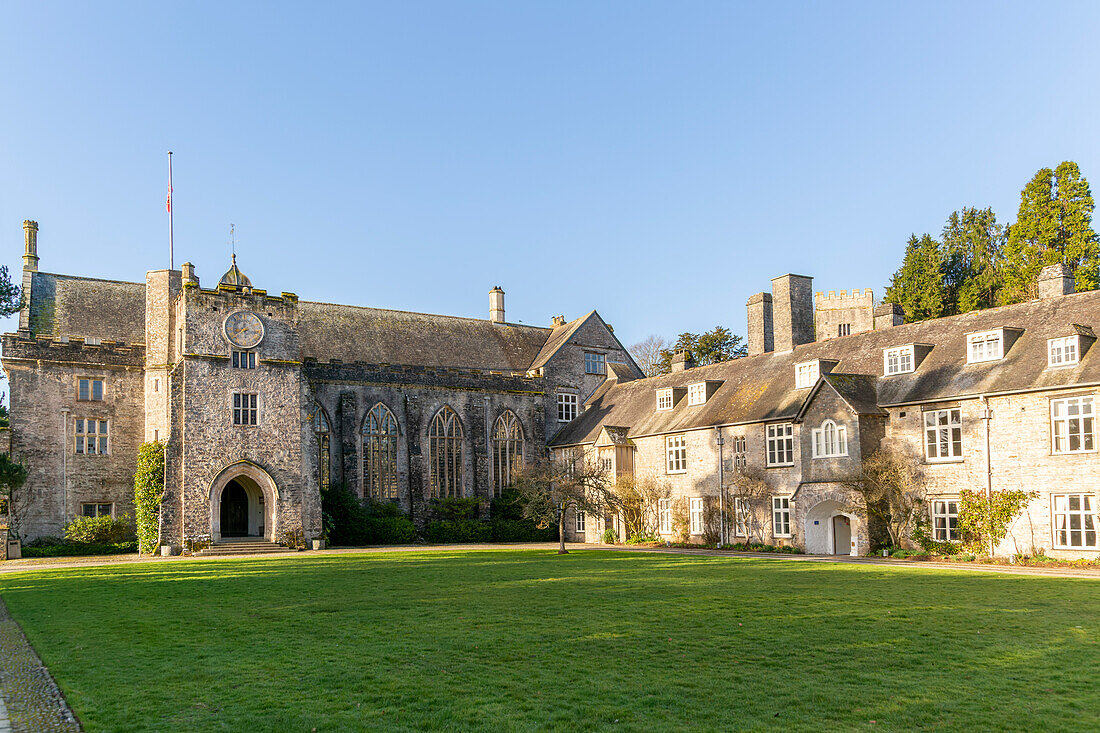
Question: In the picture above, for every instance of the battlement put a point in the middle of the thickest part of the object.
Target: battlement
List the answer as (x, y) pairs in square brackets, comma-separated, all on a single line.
[(844, 299), (450, 377), (77, 349)]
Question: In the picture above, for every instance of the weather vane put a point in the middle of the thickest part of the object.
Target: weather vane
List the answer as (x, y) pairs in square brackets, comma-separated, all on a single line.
[(232, 242)]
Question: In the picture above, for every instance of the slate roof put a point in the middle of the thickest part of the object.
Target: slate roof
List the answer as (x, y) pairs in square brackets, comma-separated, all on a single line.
[(380, 336), (760, 388), (558, 338), (85, 306)]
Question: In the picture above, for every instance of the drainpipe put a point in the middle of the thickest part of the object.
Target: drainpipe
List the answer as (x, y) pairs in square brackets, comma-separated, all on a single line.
[(720, 441), (987, 416), (64, 466)]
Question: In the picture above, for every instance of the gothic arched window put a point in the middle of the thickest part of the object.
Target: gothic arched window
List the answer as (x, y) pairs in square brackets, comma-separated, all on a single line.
[(507, 450), (830, 440), (319, 420), (380, 454), (445, 454)]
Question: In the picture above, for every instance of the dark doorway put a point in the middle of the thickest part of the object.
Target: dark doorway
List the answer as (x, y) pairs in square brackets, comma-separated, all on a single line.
[(234, 510)]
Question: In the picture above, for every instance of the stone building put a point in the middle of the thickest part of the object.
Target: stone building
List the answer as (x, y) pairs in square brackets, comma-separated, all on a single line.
[(1003, 398), (262, 398)]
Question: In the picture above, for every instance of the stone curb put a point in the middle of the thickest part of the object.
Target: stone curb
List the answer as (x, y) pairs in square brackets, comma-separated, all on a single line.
[(31, 699)]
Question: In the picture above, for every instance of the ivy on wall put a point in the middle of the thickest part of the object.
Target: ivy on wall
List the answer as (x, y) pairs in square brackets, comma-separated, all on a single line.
[(148, 494)]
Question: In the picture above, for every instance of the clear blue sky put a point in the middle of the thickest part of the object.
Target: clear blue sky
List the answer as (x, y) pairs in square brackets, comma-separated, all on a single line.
[(657, 161)]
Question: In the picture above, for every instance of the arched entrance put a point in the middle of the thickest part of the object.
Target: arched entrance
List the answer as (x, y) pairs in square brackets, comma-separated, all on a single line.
[(831, 529), (243, 498)]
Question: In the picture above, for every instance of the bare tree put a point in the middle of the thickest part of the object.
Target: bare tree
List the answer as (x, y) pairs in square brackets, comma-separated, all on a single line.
[(890, 487), (750, 503), (549, 489), (647, 353), (636, 499)]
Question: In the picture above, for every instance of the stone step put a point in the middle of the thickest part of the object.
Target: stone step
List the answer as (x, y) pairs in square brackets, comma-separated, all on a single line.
[(241, 547)]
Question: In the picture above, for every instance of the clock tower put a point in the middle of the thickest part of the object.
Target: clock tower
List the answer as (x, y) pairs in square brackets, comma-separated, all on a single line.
[(235, 399)]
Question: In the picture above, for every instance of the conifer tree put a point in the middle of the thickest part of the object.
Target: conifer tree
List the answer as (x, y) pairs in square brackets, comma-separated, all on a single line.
[(972, 250), (1054, 225), (918, 286)]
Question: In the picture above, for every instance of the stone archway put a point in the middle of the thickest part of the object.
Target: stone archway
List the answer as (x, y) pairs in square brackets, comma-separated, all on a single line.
[(824, 521), (252, 495)]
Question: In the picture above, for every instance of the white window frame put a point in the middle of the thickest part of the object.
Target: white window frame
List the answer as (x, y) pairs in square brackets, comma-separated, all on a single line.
[(780, 443), (91, 383), (567, 407), (1062, 516), (697, 393), (664, 400), (806, 374), (898, 360), (830, 440), (985, 346), (943, 427), (1063, 351), (579, 520), (242, 359), (695, 511), (944, 511), (1062, 425), (781, 516), (596, 358), (664, 516), (245, 409), (676, 454), (93, 442)]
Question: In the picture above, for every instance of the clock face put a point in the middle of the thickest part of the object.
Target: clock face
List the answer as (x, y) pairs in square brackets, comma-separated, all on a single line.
[(244, 329)]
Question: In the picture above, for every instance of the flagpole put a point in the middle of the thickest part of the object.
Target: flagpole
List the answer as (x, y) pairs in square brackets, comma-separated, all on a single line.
[(171, 250)]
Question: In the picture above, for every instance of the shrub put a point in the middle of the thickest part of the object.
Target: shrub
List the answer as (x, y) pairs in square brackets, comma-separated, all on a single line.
[(445, 531), (347, 520), (984, 521), (104, 530), (641, 539), (509, 525), (386, 524), (69, 549), (609, 537), (456, 508)]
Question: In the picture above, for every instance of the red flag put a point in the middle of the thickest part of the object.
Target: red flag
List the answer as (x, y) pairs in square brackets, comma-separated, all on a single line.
[(168, 205)]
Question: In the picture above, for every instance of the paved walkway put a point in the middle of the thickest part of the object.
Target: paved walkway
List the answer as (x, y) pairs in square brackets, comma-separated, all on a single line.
[(25, 564), (31, 700)]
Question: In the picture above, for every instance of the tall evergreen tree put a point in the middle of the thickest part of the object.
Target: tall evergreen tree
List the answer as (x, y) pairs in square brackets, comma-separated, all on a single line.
[(1054, 225), (918, 286), (972, 244)]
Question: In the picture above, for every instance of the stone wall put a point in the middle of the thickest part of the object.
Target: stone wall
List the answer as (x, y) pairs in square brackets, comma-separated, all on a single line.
[(43, 378), (831, 310)]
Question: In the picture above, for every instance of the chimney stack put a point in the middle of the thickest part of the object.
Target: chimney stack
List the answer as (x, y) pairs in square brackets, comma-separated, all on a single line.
[(760, 324), (496, 305), (682, 360), (559, 321), (30, 245), (1055, 280), (792, 311), (887, 315)]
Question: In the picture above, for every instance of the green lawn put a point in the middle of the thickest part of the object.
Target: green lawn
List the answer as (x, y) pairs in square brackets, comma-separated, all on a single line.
[(512, 640)]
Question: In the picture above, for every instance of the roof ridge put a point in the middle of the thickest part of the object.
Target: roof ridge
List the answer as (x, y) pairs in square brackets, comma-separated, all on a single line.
[(421, 313)]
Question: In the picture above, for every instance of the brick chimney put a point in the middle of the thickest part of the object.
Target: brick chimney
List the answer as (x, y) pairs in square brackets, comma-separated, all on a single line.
[(682, 360), (496, 305), (760, 324), (887, 315), (1054, 280), (792, 311)]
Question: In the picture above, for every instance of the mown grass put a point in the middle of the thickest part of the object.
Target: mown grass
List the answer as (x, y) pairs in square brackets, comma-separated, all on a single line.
[(514, 640)]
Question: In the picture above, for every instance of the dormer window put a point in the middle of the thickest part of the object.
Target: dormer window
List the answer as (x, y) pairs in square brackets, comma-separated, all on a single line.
[(806, 374), (984, 346), (897, 360), (664, 400), (1063, 351), (697, 393)]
